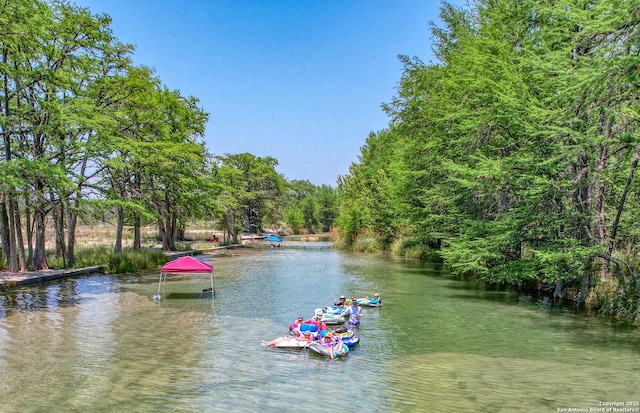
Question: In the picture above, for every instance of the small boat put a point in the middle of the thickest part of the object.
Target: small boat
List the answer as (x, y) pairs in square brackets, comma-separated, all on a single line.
[(273, 238), (324, 351)]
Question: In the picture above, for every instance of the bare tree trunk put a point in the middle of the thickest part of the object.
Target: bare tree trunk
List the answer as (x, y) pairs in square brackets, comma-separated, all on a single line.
[(4, 229), (72, 219), (29, 228), (13, 253), (117, 246), (162, 232), (582, 201), (600, 227), (172, 233), (22, 261), (39, 258), (39, 216), (58, 227), (72, 223), (623, 198), (6, 215), (137, 242)]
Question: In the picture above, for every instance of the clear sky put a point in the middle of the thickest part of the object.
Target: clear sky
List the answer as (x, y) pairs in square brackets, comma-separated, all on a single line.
[(298, 80)]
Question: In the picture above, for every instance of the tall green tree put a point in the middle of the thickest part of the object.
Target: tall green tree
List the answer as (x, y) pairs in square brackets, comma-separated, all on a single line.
[(310, 208), (50, 64), (250, 188), (517, 150), (327, 201), (175, 170)]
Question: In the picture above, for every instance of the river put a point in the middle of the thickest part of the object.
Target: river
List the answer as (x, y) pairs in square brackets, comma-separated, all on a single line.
[(439, 344)]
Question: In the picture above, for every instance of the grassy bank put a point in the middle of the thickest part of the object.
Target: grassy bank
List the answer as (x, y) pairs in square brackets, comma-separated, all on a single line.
[(129, 260)]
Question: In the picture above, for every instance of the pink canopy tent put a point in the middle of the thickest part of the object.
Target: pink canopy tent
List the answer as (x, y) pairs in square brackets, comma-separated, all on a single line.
[(185, 265)]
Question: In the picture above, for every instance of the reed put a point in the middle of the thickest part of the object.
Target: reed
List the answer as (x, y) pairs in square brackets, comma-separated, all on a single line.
[(619, 296), (368, 241), (338, 240), (404, 246), (614, 302)]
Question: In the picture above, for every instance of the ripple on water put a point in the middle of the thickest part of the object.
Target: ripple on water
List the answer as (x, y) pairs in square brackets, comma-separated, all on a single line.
[(102, 344)]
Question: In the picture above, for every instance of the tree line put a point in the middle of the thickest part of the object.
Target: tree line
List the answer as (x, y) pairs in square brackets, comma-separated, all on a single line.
[(84, 131), (514, 155)]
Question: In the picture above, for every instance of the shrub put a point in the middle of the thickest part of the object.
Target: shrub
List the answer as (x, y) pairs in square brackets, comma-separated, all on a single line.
[(609, 299), (135, 260), (90, 256), (128, 261), (408, 247), (367, 241), (338, 240)]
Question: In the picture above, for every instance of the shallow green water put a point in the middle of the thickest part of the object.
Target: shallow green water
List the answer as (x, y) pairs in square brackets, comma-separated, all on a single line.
[(438, 345)]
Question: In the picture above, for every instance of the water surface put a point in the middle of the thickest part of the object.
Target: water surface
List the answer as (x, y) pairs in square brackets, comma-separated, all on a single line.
[(439, 344)]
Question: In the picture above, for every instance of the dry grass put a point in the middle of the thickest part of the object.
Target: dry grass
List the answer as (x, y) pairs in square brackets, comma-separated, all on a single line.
[(105, 235)]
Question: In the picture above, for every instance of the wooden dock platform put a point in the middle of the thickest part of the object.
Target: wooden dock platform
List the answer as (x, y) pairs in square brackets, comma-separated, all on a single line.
[(9, 280)]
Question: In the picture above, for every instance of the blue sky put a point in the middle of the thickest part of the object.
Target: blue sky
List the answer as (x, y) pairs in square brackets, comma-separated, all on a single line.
[(301, 81)]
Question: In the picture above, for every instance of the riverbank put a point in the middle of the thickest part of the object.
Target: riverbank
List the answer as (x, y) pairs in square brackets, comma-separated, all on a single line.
[(110, 346), (10, 280)]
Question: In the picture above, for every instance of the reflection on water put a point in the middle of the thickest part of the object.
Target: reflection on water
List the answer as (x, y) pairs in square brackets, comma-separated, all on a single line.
[(440, 345)]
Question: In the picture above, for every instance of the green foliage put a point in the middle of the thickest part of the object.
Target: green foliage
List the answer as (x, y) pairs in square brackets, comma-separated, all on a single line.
[(409, 247), (82, 123), (309, 208), (249, 188), (607, 299), (294, 220), (130, 261), (369, 242), (515, 153)]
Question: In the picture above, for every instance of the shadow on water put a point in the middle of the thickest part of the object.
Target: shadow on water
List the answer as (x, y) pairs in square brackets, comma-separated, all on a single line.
[(585, 327), (184, 296), (57, 294)]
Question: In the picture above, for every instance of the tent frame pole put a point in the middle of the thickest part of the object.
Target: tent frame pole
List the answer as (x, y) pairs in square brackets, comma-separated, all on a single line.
[(162, 282)]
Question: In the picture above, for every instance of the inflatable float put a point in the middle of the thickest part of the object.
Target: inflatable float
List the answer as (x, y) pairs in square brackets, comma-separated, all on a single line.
[(291, 342), (370, 302), (325, 351)]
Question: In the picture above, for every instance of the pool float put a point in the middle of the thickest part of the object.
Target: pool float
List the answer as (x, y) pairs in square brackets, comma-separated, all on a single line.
[(325, 351), (370, 302), (333, 319), (291, 342)]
